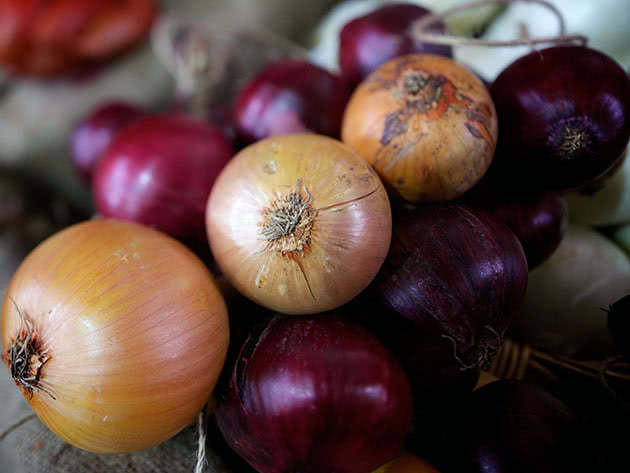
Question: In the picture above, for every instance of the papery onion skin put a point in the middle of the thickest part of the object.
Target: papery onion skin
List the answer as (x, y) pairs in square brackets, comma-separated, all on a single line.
[(347, 227), (315, 394), (565, 118), (426, 124), (134, 329), (159, 172)]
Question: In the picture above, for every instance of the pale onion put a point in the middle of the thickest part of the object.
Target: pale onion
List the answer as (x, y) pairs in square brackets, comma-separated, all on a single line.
[(128, 334), (606, 23), (608, 206), (338, 223), (563, 308)]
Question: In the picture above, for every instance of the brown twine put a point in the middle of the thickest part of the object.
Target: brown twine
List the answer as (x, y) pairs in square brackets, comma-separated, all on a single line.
[(420, 28)]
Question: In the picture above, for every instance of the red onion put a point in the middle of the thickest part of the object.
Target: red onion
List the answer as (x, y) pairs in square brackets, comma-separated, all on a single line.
[(159, 172), (453, 278), (93, 134), (539, 219), (291, 96), (514, 427), (564, 115), (383, 34), (458, 273), (314, 394)]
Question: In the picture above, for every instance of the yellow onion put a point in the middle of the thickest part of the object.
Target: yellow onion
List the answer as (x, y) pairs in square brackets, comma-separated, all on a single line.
[(299, 223), (115, 333)]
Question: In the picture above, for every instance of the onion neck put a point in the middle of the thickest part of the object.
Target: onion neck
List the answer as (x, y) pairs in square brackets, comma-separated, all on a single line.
[(26, 358), (572, 138), (287, 223)]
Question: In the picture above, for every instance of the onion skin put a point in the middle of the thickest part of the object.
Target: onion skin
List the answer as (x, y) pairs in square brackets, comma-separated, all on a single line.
[(426, 124), (565, 118), (128, 365), (459, 275), (315, 394), (46, 38), (159, 172), (371, 40), (291, 96), (348, 209), (514, 427), (539, 219), (91, 136)]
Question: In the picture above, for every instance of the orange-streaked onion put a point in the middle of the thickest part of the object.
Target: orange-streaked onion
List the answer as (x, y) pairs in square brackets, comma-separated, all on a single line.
[(338, 230), (407, 463), (129, 334), (426, 123)]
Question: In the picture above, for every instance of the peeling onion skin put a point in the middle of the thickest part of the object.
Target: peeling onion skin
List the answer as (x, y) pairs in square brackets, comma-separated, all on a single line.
[(315, 394), (349, 236), (134, 329)]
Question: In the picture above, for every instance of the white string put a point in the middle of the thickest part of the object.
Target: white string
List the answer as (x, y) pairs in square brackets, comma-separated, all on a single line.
[(202, 460)]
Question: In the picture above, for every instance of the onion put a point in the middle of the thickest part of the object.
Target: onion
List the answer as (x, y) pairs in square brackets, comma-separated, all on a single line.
[(514, 427), (159, 172), (43, 38), (115, 334), (458, 275), (371, 40), (452, 280), (314, 394), (539, 219), (562, 311), (291, 96), (426, 124), (299, 223), (93, 133), (564, 113)]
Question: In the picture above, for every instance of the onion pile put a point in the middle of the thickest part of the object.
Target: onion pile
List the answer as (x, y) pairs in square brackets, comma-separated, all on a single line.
[(369, 281)]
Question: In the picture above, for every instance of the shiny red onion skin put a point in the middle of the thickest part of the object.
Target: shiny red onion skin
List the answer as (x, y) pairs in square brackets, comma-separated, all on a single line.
[(93, 134), (159, 172), (511, 426), (383, 34), (315, 394), (541, 94), (459, 275), (539, 219), (291, 96)]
